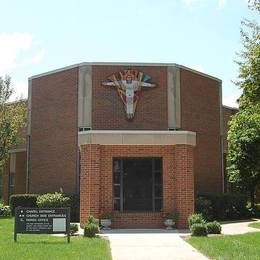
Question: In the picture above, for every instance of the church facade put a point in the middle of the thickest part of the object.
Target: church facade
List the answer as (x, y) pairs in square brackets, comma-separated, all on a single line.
[(138, 139)]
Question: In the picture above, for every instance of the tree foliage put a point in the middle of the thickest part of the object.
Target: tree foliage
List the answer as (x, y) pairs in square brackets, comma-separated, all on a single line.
[(12, 119), (244, 133)]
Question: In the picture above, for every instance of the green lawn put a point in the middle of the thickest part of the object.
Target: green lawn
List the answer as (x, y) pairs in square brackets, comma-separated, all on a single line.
[(49, 247), (235, 247), (255, 225)]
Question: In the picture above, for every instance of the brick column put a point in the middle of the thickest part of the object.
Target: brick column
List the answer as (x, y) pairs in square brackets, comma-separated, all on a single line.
[(89, 181), (184, 182)]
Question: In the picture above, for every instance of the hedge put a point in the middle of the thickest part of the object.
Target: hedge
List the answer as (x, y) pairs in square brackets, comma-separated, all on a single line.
[(23, 200), (53, 200), (222, 206), (30, 201)]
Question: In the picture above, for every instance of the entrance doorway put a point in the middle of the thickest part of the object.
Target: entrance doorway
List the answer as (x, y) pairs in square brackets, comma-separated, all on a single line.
[(137, 184)]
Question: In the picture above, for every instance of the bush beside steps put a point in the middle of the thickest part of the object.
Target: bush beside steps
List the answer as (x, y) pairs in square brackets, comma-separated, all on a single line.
[(199, 227), (91, 228)]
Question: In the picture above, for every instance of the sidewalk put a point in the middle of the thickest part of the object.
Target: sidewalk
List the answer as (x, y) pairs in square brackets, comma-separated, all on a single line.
[(142, 244), (237, 228)]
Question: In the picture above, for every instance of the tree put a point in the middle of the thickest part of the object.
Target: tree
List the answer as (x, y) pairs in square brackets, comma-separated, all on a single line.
[(244, 150), (244, 134), (12, 120)]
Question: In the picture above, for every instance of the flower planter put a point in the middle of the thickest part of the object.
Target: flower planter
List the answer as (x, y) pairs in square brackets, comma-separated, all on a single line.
[(169, 223), (105, 223)]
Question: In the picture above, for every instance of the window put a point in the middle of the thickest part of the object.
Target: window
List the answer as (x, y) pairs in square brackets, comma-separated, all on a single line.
[(12, 174), (137, 184)]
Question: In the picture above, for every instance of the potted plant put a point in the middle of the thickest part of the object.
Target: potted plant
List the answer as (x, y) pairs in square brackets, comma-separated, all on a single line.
[(106, 217), (170, 219)]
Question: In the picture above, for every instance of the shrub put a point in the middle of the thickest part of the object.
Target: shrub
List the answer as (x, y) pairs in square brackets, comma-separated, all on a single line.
[(204, 206), (73, 228), (91, 228), (5, 211), (199, 229), (93, 220), (196, 219), (23, 200), (53, 200), (213, 227), (226, 206)]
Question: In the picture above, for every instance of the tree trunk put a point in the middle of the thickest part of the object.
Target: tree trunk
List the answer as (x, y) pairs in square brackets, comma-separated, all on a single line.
[(252, 197)]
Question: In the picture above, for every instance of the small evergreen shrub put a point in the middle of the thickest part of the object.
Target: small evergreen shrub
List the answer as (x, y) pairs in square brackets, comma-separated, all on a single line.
[(53, 200), (23, 200), (196, 218), (73, 228), (5, 211), (93, 220), (213, 227), (199, 229), (91, 228)]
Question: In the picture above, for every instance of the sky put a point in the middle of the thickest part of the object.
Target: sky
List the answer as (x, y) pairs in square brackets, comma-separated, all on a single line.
[(39, 36)]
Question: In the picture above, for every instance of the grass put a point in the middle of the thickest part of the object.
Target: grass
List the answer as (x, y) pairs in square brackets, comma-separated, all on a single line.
[(255, 225), (236, 247), (49, 247)]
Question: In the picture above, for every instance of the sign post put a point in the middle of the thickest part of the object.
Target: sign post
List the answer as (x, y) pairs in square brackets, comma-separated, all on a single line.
[(42, 221)]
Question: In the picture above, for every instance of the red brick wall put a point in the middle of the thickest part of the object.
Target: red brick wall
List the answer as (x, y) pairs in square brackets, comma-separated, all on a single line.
[(108, 109), (200, 112), (54, 132), (6, 183), (96, 182), (20, 172)]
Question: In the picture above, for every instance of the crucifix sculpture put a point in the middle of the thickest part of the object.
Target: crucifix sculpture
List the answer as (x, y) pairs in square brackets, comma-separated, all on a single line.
[(129, 84)]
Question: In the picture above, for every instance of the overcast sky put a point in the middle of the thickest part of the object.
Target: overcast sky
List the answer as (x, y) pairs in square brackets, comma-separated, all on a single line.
[(38, 36)]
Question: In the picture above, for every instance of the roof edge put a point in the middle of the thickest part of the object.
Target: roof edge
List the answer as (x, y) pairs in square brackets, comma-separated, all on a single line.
[(232, 108), (122, 64)]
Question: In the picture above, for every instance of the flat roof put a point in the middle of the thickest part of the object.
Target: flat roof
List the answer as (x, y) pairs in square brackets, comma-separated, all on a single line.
[(123, 64)]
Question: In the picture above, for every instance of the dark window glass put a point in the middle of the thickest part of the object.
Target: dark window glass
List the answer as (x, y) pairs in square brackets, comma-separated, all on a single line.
[(116, 191), (158, 191), (116, 166), (137, 184), (158, 164), (116, 204), (158, 177), (116, 177), (158, 204)]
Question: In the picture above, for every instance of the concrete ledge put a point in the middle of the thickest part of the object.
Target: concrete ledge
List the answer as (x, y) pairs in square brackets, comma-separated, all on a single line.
[(107, 137)]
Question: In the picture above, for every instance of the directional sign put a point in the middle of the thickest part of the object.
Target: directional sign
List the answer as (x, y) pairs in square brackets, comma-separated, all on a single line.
[(42, 221)]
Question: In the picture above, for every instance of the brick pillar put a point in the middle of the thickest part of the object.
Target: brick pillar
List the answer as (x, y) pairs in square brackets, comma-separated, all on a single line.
[(89, 181), (184, 182)]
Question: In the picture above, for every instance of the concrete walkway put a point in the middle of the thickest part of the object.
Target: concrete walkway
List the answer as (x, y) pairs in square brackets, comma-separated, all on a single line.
[(237, 228), (150, 245)]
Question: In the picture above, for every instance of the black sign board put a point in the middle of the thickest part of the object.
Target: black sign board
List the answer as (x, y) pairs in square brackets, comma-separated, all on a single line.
[(42, 221)]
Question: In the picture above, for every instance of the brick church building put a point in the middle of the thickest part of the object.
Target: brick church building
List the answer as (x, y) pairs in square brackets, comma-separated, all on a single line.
[(141, 139)]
